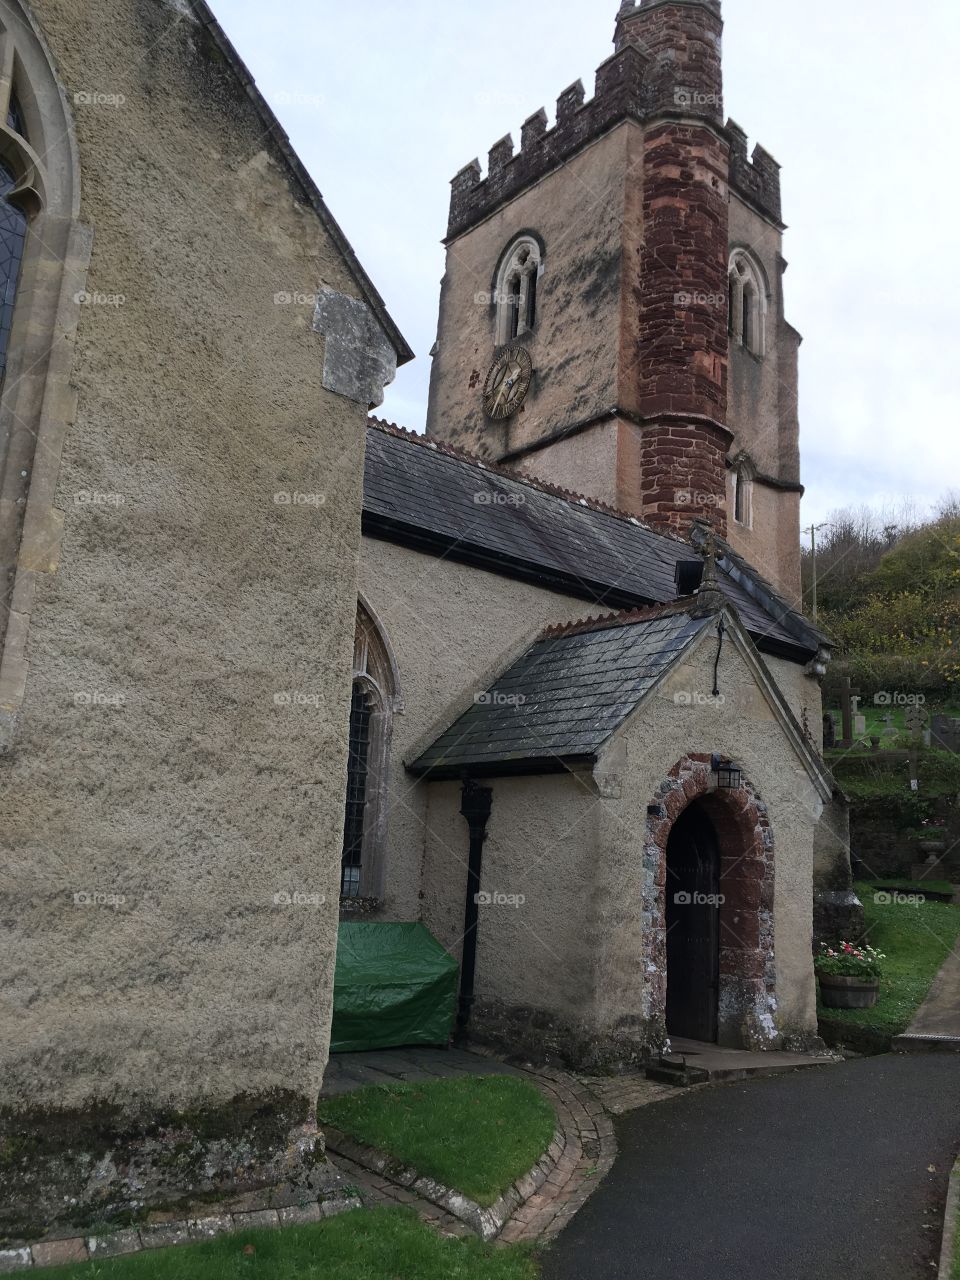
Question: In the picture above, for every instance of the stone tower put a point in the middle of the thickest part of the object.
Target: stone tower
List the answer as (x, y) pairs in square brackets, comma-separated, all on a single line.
[(624, 270)]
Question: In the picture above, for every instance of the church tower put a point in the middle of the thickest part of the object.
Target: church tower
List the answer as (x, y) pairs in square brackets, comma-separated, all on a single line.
[(611, 315)]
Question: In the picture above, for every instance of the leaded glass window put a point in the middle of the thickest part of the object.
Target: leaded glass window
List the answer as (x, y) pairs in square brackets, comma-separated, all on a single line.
[(13, 230), (358, 771), (15, 117)]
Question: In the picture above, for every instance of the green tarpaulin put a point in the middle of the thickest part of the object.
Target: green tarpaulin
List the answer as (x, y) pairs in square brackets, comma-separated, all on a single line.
[(394, 985)]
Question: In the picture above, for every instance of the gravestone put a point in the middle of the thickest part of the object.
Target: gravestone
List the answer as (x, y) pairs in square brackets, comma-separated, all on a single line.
[(829, 730), (848, 697), (945, 733), (916, 720), (859, 726)]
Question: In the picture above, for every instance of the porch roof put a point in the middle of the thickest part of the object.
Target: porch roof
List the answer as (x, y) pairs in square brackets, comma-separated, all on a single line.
[(564, 697)]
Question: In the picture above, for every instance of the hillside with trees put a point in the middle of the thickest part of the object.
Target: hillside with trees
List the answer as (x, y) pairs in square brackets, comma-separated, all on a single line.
[(888, 585)]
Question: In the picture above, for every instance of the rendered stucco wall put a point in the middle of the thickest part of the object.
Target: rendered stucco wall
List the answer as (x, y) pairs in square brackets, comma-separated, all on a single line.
[(539, 935), (453, 630), (159, 796), (803, 694)]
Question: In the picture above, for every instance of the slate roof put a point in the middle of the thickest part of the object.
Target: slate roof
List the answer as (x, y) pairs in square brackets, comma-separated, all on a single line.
[(431, 496), (563, 698)]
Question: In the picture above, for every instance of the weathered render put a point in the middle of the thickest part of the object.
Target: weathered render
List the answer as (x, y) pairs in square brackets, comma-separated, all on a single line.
[(175, 681)]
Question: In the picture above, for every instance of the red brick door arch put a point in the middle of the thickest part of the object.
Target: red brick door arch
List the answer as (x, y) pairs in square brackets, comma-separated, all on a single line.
[(747, 995)]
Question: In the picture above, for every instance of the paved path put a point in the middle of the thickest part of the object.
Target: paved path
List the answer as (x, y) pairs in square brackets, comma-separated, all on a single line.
[(347, 1071), (821, 1173), (937, 1022)]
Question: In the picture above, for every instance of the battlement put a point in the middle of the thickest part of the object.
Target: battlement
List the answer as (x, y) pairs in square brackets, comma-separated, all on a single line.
[(622, 92), (757, 179), (666, 63)]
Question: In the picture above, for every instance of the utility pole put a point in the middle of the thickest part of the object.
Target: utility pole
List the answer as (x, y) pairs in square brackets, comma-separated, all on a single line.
[(813, 553)]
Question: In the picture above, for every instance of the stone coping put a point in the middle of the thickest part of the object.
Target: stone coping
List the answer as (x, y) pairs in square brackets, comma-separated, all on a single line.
[(541, 1202), (54, 1253), (951, 1226)]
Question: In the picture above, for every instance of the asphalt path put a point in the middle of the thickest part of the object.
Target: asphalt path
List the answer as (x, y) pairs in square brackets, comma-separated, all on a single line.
[(832, 1173)]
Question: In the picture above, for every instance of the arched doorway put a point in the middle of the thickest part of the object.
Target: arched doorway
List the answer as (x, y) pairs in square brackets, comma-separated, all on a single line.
[(693, 926), (700, 833)]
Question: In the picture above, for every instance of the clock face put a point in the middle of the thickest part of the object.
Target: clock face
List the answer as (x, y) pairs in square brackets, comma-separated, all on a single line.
[(507, 383)]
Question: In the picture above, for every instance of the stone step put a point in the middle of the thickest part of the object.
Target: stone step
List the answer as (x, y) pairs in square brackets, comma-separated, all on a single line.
[(680, 1074), (919, 1042)]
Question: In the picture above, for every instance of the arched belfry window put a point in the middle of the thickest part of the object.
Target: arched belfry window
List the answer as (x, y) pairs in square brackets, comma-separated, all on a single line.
[(374, 701), (748, 303), (517, 289), (742, 474)]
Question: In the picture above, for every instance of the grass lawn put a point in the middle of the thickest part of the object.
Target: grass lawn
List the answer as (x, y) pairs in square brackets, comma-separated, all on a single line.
[(367, 1244), (916, 941), (913, 886), (476, 1133)]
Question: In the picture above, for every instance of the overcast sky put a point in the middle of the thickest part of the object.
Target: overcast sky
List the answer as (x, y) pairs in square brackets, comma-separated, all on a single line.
[(857, 99)]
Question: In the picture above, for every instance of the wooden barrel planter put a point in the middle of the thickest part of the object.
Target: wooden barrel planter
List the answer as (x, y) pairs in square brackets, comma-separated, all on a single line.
[(842, 992)]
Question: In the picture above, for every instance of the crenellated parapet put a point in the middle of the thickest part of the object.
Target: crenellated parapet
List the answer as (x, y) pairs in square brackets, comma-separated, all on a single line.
[(757, 177), (620, 93), (666, 64)]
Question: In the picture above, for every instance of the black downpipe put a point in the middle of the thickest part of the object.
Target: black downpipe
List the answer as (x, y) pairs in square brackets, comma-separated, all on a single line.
[(475, 805)]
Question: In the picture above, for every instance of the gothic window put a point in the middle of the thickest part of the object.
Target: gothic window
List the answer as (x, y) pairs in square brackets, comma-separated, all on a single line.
[(13, 230), (44, 255), (748, 303), (374, 701), (358, 774), (516, 289)]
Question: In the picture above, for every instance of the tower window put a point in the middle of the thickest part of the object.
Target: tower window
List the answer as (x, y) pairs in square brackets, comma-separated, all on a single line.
[(743, 492), (516, 290), (748, 303)]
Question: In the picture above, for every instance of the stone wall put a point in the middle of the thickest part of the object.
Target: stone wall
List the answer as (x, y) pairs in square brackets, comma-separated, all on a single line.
[(164, 788)]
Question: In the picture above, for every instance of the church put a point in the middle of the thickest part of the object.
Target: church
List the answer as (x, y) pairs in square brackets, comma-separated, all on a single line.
[(538, 678), (586, 726)]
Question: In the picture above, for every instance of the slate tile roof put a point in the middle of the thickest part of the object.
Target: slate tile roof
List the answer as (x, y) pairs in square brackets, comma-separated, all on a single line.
[(565, 696), (430, 495)]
